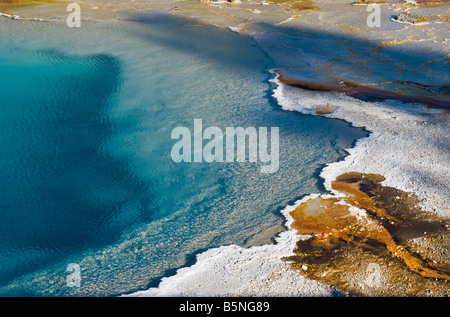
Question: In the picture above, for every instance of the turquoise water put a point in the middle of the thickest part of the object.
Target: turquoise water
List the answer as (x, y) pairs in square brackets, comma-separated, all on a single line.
[(85, 132)]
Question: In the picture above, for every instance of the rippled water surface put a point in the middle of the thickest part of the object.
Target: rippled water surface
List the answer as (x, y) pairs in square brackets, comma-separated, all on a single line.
[(85, 131)]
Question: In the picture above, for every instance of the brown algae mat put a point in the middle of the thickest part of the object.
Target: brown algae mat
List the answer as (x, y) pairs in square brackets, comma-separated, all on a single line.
[(375, 240)]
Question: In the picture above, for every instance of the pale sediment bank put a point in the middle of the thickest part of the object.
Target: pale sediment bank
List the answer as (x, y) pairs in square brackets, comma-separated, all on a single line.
[(408, 144)]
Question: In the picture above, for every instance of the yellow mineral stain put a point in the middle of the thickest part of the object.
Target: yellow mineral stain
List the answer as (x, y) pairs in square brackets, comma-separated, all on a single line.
[(324, 109), (407, 40), (394, 42), (368, 2), (296, 5), (433, 2), (304, 5), (293, 17), (7, 6), (425, 3), (371, 217)]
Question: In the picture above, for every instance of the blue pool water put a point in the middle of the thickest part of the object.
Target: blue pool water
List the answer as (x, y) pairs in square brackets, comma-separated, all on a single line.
[(85, 141)]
